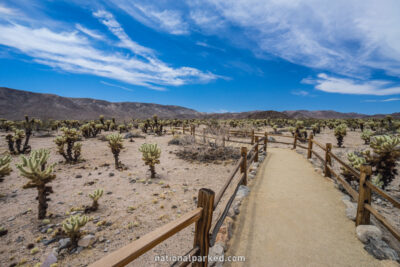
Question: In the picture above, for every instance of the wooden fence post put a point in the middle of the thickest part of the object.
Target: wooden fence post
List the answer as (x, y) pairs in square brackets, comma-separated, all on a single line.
[(295, 141), (328, 149), (203, 225), (243, 167), (310, 145), (252, 137), (256, 150), (265, 142), (364, 195)]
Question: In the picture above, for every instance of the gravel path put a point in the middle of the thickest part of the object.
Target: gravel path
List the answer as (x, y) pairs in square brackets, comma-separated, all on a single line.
[(295, 217)]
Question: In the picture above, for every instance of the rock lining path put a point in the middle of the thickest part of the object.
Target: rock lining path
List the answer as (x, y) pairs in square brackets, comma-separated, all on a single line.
[(295, 217)]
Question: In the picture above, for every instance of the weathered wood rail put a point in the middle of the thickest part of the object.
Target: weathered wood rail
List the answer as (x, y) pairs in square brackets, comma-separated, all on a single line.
[(208, 201)]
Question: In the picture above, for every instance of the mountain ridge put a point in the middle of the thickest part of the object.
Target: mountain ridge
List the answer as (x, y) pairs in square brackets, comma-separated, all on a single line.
[(14, 104)]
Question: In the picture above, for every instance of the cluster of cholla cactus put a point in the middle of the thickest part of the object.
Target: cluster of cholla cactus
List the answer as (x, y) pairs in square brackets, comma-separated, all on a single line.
[(299, 129), (115, 143), (316, 128), (154, 124), (5, 168), (34, 168), (91, 129), (95, 198), (6, 125), (340, 133), (151, 156), (16, 142), (355, 161), (366, 136), (385, 153), (68, 146), (72, 226)]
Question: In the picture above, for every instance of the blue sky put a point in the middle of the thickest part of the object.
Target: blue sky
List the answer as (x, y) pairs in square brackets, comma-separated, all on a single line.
[(210, 55)]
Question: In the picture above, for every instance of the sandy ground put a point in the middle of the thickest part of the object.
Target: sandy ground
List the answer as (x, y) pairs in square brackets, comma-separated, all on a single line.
[(295, 217), (153, 202)]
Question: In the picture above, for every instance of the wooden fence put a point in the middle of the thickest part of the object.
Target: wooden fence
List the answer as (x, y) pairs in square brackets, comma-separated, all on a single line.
[(202, 216)]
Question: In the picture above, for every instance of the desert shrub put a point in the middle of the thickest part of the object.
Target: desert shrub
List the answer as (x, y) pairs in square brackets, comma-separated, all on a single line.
[(67, 145), (182, 140), (34, 168), (340, 133), (91, 129), (5, 168), (72, 226), (209, 154), (151, 156), (355, 161), (115, 143)]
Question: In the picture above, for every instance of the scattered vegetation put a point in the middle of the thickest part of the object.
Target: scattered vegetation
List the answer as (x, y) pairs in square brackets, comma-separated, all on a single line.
[(68, 146), (340, 133), (72, 226)]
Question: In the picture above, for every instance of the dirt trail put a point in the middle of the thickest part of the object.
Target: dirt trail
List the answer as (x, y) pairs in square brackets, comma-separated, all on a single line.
[(295, 217)]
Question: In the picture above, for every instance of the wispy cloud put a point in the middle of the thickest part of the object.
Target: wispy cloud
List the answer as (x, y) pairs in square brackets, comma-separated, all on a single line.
[(356, 87), (4, 10), (300, 93), (351, 38), (124, 60), (155, 16), (382, 100), (116, 85), (88, 32)]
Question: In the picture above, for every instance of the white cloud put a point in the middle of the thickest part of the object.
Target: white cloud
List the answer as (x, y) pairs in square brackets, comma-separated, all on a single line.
[(88, 32), (73, 52), (300, 93), (155, 16), (346, 37), (351, 86), (116, 85), (382, 100), (7, 11)]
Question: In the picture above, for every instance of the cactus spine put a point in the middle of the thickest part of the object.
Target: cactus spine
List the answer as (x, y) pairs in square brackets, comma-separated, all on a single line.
[(151, 156), (34, 168)]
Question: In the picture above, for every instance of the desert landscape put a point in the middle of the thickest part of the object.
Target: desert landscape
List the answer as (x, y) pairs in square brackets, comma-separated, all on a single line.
[(139, 187)]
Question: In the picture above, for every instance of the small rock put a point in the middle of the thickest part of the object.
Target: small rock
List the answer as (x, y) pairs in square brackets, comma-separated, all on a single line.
[(109, 193), (111, 174), (86, 241), (366, 232), (105, 249), (380, 250), (174, 207), (11, 219), (50, 259), (351, 209), (242, 192), (19, 239), (48, 242), (65, 242), (78, 176)]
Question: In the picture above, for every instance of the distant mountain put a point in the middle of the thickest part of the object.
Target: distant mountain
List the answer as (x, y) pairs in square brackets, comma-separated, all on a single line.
[(322, 114), (14, 104)]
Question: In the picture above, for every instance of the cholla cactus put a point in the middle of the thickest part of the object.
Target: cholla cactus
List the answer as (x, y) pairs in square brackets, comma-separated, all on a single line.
[(366, 136), (115, 143), (95, 197), (292, 130), (67, 146), (72, 226), (121, 128), (5, 168), (275, 128), (34, 168), (316, 128), (15, 141), (340, 133), (151, 156), (386, 151), (356, 162)]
